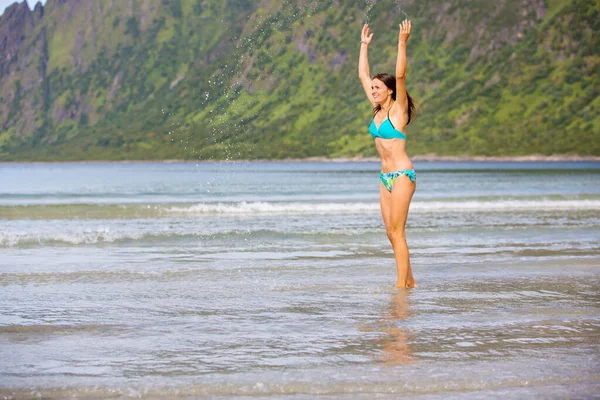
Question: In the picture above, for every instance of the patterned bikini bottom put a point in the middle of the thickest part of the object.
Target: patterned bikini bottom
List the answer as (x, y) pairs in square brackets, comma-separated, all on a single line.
[(388, 178)]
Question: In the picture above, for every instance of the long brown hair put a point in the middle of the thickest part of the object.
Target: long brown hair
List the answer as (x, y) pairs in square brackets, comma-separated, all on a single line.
[(390, 82)]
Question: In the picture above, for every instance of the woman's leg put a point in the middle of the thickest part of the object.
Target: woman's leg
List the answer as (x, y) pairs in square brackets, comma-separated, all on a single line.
[(394, 210)]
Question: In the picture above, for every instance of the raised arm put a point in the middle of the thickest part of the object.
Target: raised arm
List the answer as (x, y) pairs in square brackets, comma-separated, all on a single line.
[(363, 63), (400, 108)]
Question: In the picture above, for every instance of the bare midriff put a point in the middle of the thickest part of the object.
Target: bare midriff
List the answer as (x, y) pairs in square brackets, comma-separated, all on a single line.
[(393, 154)]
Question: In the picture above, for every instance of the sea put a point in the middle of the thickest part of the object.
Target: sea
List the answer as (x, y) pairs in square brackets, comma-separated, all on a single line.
[(276, 280)]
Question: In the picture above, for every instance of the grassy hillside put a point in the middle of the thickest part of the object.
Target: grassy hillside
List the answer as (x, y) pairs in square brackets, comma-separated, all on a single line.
[(155, 79)]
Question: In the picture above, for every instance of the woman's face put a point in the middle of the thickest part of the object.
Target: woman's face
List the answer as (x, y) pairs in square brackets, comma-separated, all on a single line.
[(380, 92)]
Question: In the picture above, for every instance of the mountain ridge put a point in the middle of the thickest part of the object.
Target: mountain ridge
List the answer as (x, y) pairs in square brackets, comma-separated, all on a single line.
[(155, 79)]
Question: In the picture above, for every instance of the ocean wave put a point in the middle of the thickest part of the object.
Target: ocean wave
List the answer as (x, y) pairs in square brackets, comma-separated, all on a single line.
[(81, 237), (505, 205), (274, 208), (72, 236), (170, 210), (416, 206)]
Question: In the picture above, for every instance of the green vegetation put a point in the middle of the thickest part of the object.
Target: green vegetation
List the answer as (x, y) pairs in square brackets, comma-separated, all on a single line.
[(243, 79)]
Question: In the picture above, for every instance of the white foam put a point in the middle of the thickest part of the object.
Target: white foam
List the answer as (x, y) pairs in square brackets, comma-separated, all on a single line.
[(275, 208), (354, 208), (82, 237), (59, 234), (505, 205)]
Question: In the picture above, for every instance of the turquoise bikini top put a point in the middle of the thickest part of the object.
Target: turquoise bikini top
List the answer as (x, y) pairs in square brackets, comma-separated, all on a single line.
[(386, 130)]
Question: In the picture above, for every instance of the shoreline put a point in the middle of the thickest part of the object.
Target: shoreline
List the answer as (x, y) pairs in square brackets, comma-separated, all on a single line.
[(417, 158)]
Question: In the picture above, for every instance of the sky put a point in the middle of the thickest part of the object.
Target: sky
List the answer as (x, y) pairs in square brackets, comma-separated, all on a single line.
[(5, 3)]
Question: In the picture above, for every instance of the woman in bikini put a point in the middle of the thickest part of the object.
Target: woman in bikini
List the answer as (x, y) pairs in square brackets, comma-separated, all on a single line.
[(393, 111)]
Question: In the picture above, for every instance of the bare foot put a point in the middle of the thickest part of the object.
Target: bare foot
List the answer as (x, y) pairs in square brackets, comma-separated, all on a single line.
[(412, 283), (409, 285)]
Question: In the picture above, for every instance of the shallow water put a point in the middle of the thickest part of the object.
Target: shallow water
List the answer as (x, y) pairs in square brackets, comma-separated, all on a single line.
[(262, 279)]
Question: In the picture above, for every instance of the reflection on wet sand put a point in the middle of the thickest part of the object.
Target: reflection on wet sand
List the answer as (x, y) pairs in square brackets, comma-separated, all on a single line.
[(395, 339)]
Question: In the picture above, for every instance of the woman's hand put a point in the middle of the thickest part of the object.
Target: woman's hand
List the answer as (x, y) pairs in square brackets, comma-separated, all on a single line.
[(365, 37), (404, 30)]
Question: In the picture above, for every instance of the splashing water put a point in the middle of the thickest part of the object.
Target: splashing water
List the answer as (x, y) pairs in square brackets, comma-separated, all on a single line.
[(226, 99), (370, 6), (400, 7)]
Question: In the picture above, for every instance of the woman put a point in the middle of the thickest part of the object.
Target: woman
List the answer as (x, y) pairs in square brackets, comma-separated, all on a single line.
[(393, 110)]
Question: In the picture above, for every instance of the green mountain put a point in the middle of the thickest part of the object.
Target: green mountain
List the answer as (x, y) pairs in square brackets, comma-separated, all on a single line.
[(243, 79)]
